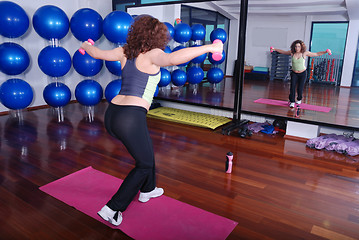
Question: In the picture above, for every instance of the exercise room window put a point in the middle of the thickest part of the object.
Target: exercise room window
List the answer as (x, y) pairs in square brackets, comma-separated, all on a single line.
[(355, 81)]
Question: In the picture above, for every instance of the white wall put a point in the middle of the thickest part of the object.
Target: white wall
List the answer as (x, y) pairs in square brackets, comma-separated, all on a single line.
[(33, 44)]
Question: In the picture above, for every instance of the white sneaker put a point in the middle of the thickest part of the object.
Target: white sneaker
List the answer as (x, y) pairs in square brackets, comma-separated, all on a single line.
[(298, 102), (108, 214), (292, 105), (145, 197)]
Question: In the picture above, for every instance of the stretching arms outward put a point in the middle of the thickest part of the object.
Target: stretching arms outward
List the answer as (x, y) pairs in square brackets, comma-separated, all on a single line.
[(155, 56), (306, 53)]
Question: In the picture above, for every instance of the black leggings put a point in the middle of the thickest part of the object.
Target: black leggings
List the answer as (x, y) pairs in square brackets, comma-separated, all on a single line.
[(297, 81), (128, 124)]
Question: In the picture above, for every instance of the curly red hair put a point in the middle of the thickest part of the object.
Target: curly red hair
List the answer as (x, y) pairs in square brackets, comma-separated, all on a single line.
[(145, 34), (302, 44)]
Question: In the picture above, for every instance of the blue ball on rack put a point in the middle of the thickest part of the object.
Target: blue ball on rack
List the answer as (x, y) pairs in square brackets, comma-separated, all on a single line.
[(16, 94), (178, 77), (57, 94), (14, 59), (88, 92), (218, 33), (51, 22), (86, 23), (198, 32), (112, 89), (215, 75), (199, 59), (183, 33), (86, 65), (14, 21), (195, 75), (165, 78), (171, 30), (210, 58), (114, 67), (54, 61), (116, 25)]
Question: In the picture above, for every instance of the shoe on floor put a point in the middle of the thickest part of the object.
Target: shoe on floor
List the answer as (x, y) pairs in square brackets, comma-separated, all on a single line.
[(145, 197), (107, 214), (299, 102), (292, 105)]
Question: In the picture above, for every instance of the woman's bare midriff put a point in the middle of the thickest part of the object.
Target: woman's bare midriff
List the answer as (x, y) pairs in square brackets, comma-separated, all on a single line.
[(131, 100), (299, 71)]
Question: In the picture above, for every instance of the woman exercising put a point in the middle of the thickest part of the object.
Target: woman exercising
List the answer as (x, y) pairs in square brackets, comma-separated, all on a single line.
[(298, 75), (125, 117)]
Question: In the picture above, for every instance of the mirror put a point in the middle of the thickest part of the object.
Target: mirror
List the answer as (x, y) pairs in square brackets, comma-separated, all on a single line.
[(277, 24)]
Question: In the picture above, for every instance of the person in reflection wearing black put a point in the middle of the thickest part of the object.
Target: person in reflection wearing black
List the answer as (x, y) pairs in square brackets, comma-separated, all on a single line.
[(125, 118), (298, 75)]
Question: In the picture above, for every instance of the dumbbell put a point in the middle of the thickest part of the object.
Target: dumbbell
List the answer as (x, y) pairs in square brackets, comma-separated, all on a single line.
[(217, 55), (82, 51)]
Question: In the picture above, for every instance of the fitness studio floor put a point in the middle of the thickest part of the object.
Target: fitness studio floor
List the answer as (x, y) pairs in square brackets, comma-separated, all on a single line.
[(279, 189), (342, 101)]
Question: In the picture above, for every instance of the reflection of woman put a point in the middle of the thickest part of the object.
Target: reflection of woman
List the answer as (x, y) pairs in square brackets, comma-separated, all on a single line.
[(125, 117), (299, 74)]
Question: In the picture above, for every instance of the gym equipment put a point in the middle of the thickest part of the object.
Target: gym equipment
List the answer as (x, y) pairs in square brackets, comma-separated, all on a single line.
[(218, 33), (170, 28), (113, 89), (14, 59), (57, 94), (178, 77), (195, 75), (114, 67), (116, 25), (183, 33), (198, 32), (165, 78), (16, 94), (54, 61), (14, 21), (167, 49), (217, 56), (86, 23), (50, 22), (271, 49), (88, 92), (215, 75), (86, 65), (90, 41), (280, 66), (229, 163)]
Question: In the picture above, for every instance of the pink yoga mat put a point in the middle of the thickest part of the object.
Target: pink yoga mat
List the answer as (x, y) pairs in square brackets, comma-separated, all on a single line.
[(160, 218), (285, 104)]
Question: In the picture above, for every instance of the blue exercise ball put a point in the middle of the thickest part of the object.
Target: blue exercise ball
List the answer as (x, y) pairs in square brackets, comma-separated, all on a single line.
[(14, 21), (218, 33), (116, 25), (114, 67), (156, 92), (16, 94), (198, 32), (195, 75), (113, 89), (179, 48), (54, 61), (14, 59), (165, 78), (171, 29), (86, 23), (210, 58), (200, 58), (50, 22), (167, 49), (178, 77), (183, 33), (86, 65), (215, 75), (88, 92), (57, 94)]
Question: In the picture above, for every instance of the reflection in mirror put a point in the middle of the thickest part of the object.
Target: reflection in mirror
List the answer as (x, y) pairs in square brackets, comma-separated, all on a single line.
[(274, 23)]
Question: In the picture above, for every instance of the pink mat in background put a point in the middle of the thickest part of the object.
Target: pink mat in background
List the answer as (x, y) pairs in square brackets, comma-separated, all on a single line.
[(161, 218), (285, 104)]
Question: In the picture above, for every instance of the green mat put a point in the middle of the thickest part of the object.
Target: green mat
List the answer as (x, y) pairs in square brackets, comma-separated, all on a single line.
[(188, 117)]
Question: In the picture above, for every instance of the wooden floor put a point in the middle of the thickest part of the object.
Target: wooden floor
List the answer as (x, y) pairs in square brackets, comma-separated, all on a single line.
[(279, 189), (344, 102)]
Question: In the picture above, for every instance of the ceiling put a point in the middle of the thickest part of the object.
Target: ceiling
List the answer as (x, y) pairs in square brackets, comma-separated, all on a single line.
[(231, 8)]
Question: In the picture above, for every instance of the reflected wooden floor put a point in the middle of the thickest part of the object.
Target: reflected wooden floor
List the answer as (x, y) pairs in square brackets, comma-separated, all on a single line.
[(279, 189), (344, 102)]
